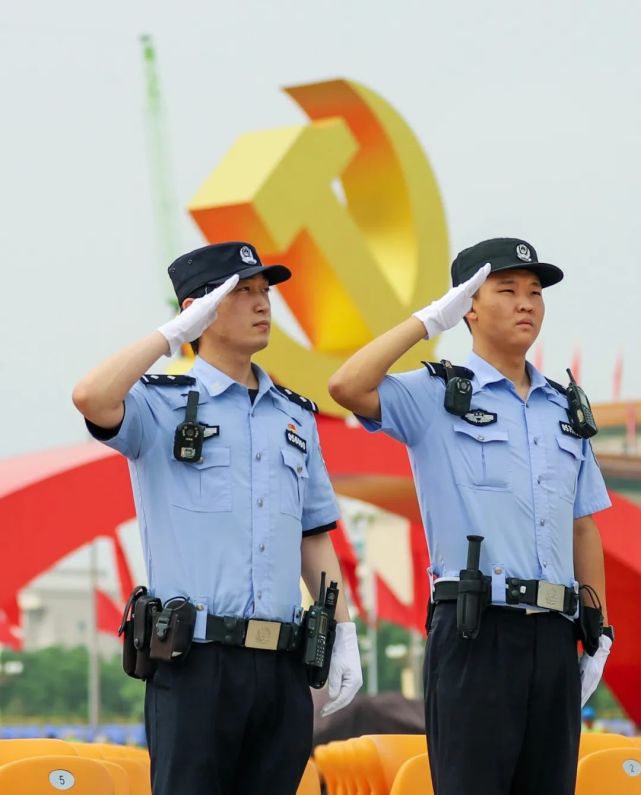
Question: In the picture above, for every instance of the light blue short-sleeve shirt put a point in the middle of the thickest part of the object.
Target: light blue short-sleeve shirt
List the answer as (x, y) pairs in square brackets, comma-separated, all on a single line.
[(226, 532), (519, 479)]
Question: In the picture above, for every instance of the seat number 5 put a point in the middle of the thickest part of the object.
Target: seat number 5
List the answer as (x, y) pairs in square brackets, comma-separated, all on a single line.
[(61, 779)]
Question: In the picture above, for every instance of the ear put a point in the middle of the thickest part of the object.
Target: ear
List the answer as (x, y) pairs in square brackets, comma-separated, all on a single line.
[(471, 315), (187, 302)]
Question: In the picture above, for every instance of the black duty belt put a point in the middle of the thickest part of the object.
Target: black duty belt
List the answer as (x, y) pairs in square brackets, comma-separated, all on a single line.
[(538, 593), (254, 633)]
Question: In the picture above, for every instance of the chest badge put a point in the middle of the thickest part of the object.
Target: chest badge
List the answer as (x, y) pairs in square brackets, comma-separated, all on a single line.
[(295, 440), (568, 430), (480, 417), (211, 430)]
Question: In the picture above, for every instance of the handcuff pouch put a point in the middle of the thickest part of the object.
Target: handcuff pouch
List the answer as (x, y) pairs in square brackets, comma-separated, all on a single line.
[(173, 630)]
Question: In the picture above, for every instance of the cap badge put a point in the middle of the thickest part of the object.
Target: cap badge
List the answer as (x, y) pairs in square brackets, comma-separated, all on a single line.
[(523, 253), (247, 256)]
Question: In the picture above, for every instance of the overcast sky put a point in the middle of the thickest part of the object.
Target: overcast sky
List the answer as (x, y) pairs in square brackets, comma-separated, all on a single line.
[(529, 114)]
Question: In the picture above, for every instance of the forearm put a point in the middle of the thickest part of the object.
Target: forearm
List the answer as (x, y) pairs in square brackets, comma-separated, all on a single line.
[(589, 568), (99, 394), (362, 373), (317, 555)]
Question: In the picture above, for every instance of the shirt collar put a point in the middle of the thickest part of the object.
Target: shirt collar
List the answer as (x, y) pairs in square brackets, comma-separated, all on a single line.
[(485, 373), (217, 382)]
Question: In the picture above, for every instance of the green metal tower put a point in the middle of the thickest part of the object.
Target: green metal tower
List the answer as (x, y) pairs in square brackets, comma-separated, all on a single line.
[(166, 212)]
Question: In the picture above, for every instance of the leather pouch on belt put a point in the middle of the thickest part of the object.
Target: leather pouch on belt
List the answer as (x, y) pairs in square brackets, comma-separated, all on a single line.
[(136, 629), (173, 630)]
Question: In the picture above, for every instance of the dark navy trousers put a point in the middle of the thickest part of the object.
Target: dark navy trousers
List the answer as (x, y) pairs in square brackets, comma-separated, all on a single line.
[(227, 721), (502, 711)]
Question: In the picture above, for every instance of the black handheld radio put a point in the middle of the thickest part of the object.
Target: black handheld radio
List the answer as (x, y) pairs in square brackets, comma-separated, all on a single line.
[(320, 631), (188, 439), (472, 592), (458, 391), (579, 410)]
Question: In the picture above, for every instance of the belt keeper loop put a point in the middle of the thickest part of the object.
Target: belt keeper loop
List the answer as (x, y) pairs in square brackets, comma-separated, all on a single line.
[(498, 584)]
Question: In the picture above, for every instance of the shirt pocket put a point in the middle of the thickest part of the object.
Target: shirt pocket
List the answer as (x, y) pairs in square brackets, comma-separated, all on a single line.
[(293, 478), (482, 457), (205, 486), (566, 470)]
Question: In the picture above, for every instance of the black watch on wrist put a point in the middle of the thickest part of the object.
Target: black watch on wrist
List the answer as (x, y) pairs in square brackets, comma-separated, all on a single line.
[(608, 632)]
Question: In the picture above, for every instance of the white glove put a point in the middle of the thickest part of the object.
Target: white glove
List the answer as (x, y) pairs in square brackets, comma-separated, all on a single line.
[(446, 312), (190, 324), (591, 668), (345, 674)]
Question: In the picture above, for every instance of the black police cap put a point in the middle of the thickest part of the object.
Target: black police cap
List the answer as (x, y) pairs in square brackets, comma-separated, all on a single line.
[(216, 263), (503, 253)]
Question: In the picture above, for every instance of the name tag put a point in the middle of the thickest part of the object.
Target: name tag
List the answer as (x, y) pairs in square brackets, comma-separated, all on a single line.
[(211, 430), (296, 441)]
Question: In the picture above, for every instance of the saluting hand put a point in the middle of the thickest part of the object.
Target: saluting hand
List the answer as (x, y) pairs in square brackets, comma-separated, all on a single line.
[(345, 673), (192, 321), (446, 312)]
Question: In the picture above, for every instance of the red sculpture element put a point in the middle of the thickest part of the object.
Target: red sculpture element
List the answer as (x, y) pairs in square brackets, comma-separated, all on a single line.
[(54, 502)]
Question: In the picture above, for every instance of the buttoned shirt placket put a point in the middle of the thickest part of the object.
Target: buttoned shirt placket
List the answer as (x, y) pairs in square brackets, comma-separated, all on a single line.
[(532, 419), (261, 499)]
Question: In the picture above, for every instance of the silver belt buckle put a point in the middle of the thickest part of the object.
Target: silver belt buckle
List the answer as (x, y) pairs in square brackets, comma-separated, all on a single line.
[(550, 595), (262, 634)]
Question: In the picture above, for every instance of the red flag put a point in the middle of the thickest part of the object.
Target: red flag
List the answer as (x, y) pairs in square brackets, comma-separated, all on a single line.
[(348, 560), (576, 365), (10, 625), (108, 614), (617, 377), (124, 572), (389, 606)]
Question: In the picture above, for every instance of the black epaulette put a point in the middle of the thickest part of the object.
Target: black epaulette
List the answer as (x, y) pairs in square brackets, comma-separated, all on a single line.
[(437, 369), (158, 379), (556, 386), (304, 402)]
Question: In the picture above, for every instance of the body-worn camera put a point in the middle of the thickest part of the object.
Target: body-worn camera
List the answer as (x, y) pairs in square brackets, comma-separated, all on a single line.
[(458, 391), (190, 434), (320, 631), (579, 410)]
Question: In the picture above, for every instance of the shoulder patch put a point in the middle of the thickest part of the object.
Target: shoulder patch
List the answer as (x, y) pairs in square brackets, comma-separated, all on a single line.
[(556, 386), (304, 402), (158, 379), (437, 369)]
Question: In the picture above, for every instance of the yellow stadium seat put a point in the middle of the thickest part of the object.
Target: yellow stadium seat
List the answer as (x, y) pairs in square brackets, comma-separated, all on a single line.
[(367, 769), (12, 750), (616, 770), (600, 741), (310, 782), (325, 763), (413, 777), (135, 762), (381, 756), (119, 777), (44, 775)]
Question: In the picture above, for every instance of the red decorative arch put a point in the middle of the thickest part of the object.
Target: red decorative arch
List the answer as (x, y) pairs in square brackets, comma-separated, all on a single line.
[(53, 502)]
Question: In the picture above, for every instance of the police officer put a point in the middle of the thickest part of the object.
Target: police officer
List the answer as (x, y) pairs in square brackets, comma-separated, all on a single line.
[(503, 709), (232, 532)]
